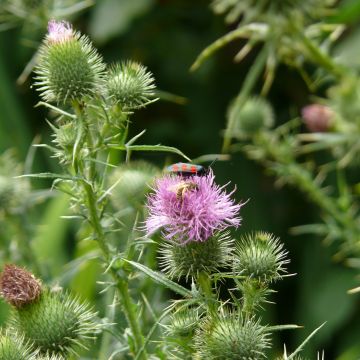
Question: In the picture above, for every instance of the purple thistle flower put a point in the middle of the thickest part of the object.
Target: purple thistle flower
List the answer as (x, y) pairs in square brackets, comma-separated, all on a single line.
[(190, 209), (59, 31)]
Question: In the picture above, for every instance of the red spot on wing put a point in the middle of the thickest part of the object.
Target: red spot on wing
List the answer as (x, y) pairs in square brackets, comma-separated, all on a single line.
[(184, 167), (193, 169), (175, 167)]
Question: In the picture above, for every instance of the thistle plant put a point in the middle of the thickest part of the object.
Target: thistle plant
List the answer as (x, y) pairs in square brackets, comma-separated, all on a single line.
[(203, 325), (223, 280)]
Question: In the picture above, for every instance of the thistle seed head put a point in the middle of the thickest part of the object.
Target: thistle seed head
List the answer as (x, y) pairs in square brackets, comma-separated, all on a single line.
[(18, 286)]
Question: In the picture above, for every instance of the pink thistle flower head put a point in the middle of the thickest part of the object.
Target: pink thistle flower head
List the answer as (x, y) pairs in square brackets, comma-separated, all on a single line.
[(190, 209), (59, 31)]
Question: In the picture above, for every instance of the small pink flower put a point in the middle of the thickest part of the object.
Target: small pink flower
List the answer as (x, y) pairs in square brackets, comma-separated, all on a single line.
[(191, 208), (59, 31), (317, 117)]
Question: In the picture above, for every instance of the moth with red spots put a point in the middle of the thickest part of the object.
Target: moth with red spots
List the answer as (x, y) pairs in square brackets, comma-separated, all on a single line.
[(187, 169)]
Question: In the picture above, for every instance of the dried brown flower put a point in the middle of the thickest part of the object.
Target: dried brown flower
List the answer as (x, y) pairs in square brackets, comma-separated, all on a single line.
[(18, 286)]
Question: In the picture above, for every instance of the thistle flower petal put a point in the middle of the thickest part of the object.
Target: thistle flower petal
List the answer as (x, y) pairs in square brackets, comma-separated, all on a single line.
[(190, 209), (59, 31)]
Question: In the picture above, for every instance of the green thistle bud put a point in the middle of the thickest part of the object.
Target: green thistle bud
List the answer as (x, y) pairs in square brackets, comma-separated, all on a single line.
[(130, 85), (183, 323), (18, 286), (228, 336), (57, 324), (69, 68), (65, 137), (193, 258), (14, 347), (260, 256), (130, 183), (255, 115)]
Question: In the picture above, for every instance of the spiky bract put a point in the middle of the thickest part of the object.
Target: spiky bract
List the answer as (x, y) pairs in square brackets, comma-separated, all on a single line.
[(183, 322), (190, 259), (130, 85), (69, 68), (255, 115), (56, 324), (260, 256), (227, 336), (130, 183), (14, 347), (18, 286)]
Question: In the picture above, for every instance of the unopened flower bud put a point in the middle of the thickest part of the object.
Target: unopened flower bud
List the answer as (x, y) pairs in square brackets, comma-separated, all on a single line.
[(260, 256), (183, 323), (130, 183), (254, 115), (228, 337), (56, 324), (14, 347), (317, 117), (18, 286), (193, 258), (130, 85), (69, 68)]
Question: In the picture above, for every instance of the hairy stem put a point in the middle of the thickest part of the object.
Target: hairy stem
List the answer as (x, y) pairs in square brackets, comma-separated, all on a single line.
[(94, 217)]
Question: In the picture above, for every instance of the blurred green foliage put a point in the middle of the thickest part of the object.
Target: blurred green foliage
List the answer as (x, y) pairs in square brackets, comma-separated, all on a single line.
[(166, 36)]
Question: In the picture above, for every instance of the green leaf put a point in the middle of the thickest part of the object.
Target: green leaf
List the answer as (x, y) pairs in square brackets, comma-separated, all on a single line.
[(300, 347), (48, 175), (161, 148), (161, 279), (283, 327)]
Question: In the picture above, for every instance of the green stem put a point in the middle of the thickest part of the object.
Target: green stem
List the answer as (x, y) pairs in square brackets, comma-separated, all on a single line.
[(129, 306), (204, 283), (110, 315), (318, 56), (248, 85)]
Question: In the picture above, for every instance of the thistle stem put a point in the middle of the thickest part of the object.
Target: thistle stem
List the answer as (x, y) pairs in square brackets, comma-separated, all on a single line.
[(204, 283), (249, 83), (129, 307)]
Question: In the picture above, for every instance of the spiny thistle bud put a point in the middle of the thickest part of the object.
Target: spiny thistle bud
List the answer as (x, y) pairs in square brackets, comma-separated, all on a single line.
[(56, 324), (14, 347), (228, 336), (255, 115), (69, 68), (183, 323), (130, 85), (65, 137), (18, 286), (317, 117), (193, 258), (260, 256), (130, 183)]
